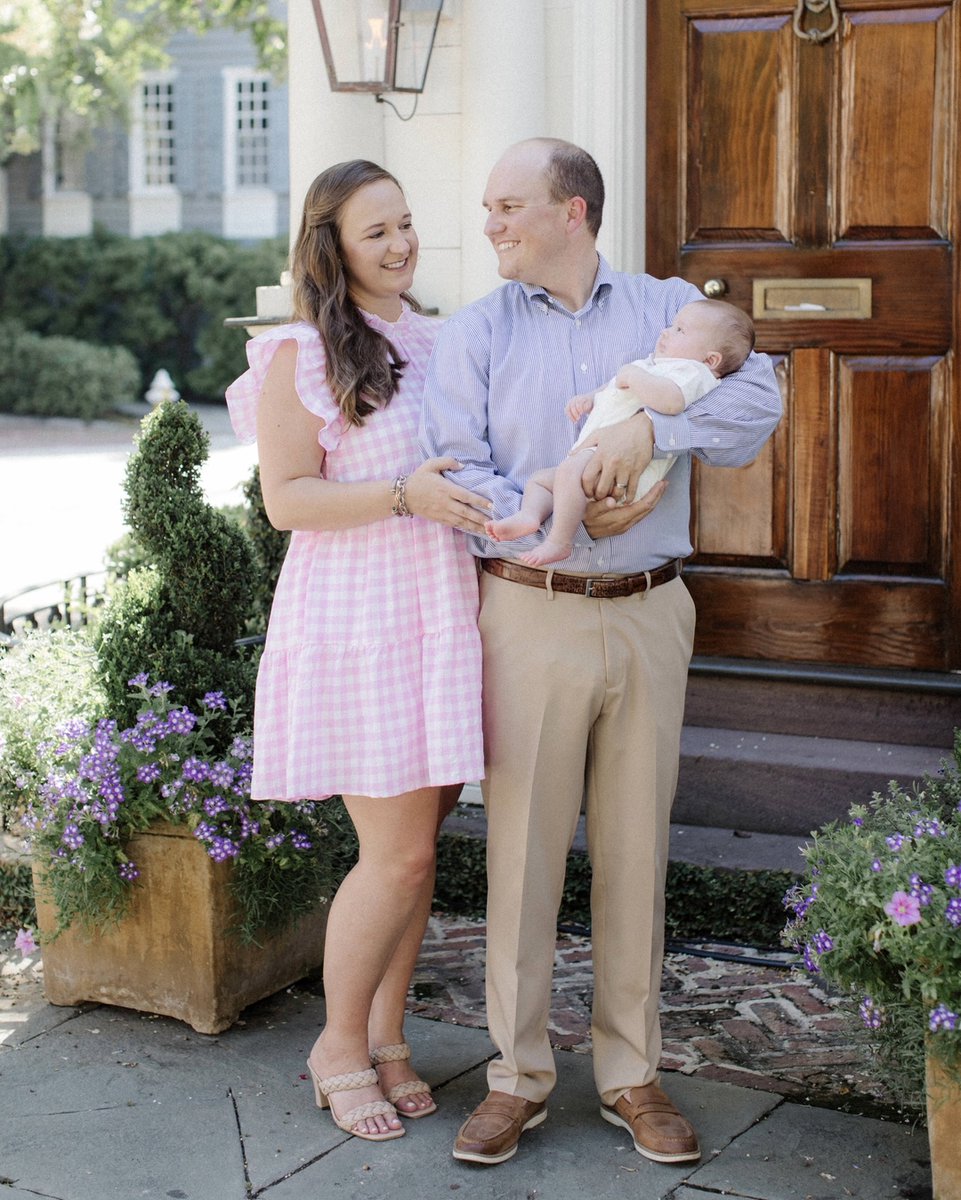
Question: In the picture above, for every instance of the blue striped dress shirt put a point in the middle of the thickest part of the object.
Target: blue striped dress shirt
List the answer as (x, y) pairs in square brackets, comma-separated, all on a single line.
[(503, 368)]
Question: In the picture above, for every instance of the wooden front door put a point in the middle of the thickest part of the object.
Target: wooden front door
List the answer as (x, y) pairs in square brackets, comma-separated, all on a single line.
[(826, 160)]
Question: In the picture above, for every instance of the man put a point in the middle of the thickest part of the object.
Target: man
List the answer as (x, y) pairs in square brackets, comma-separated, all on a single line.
[(584, 666)]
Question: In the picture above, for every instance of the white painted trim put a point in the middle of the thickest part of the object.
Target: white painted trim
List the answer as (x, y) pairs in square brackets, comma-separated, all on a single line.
[(609, 108), (231, 76), (136, 145)]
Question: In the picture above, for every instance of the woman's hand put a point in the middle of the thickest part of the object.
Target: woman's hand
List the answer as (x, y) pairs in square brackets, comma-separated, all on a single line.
[(607, 518), (432, 496), (623, 451)]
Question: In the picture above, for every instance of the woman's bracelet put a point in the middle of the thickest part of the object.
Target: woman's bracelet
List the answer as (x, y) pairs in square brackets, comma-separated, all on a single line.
[(399, 506)]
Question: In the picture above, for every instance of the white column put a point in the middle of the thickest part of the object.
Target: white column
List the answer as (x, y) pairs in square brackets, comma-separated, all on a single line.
[(608, 116), (325, 127), (503, 101)]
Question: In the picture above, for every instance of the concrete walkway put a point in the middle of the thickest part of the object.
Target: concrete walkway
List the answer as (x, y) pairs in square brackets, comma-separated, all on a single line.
[(101, 1103)]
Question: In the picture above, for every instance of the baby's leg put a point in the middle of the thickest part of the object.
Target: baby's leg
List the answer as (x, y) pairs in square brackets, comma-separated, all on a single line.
[(569, 505), (535, 507)]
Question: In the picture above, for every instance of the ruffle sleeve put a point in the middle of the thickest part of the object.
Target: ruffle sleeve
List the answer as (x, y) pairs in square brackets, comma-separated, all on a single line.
[(310, 380)]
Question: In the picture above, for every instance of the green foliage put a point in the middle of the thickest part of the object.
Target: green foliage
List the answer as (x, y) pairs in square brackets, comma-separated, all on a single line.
[(270, 547), (62, 376), (60, 57), (45, 679), (17, 907), (178, 618), (110, 783), (880, 915), (163, 298)]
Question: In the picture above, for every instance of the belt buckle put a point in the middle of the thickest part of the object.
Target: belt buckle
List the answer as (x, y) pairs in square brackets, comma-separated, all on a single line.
[(589, 587)]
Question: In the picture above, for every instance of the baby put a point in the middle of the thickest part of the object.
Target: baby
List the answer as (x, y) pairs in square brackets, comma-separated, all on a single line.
[(707, 340)]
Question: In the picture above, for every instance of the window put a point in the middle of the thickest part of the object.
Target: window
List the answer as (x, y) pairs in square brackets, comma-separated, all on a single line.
[(251, 123), (157, 123)]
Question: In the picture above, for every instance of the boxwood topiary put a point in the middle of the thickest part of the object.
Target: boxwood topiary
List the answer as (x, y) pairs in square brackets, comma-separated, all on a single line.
[(177, 618)]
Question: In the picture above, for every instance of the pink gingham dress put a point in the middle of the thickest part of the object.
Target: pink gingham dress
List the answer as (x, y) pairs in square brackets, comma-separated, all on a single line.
[(370, 680)]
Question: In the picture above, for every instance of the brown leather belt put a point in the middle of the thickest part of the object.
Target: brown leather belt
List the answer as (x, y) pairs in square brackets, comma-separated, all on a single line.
[(595, 587)]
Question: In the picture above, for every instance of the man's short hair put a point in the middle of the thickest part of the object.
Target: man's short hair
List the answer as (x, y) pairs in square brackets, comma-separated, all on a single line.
[(572, 172)]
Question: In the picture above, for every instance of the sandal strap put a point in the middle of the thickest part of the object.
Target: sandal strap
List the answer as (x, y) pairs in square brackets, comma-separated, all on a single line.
[(412, 1087), (398, 1052), (349, 1082), (377, 1108)]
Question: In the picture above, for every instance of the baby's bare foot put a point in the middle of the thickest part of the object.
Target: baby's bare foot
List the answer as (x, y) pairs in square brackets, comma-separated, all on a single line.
[(547, 552), (508, 528)]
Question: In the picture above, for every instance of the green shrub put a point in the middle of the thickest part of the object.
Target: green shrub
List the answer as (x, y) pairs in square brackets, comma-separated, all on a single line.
[(46, 679), (163, 298), (178, 618), (270, 547), (64, 377)]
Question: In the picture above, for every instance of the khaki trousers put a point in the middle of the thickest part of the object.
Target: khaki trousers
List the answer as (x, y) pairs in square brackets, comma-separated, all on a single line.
[(580, 695)]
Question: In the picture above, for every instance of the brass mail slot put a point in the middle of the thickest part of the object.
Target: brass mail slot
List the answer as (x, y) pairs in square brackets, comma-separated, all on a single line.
[(812, 299)]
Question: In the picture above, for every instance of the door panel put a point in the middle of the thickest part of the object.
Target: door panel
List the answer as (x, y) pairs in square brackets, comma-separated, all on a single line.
[(772, 157)]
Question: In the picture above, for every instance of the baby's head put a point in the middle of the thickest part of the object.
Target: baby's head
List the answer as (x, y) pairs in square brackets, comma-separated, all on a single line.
[(712, 331)]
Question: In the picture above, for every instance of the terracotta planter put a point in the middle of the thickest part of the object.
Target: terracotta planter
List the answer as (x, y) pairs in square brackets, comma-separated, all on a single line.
[(944, 1130), (172, 953)]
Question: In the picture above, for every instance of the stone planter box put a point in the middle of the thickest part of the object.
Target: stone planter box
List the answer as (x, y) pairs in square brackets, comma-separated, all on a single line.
[(172, 954), (944, 1130)]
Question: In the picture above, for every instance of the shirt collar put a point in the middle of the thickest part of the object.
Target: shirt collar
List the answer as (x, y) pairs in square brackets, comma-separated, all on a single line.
[(603, 282)]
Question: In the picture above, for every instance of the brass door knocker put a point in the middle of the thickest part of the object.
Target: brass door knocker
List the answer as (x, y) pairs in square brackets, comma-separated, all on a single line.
[(814, 8)]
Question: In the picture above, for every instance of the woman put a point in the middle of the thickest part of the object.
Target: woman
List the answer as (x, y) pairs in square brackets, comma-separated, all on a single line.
[(369, 686)]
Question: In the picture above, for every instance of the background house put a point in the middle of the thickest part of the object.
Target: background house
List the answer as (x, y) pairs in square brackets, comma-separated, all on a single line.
[(204, 148)]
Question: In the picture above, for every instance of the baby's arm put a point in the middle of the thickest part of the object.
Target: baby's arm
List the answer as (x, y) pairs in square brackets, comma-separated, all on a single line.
[(579, 405), (652, 391)]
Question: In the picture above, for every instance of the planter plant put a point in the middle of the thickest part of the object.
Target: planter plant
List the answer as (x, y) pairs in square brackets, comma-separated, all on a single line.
[(879, 917), (160, 885)]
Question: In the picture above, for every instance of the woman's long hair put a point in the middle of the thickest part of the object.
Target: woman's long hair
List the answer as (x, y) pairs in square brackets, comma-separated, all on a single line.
[(363, 368)]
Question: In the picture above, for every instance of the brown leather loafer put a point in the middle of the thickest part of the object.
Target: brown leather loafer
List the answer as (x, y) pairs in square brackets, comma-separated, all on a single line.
[(658, 1129), (491, 1133)]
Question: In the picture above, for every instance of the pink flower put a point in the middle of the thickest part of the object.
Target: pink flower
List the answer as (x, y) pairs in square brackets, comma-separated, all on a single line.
[(904, 909), (24, 942)]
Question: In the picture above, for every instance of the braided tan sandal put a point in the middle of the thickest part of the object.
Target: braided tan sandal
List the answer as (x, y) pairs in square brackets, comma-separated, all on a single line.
[(325, 1088), (400, 1052)]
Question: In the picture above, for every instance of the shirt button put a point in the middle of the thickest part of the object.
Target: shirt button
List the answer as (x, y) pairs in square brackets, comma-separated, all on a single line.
[(583, 366), (577, 324)]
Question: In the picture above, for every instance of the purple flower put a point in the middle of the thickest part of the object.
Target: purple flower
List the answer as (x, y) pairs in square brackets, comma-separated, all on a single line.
[(148, 773), (302, 842), (140, 680), (952, 912), (871, 1014), (25, 943), (128, 872), (922, 891), (877, 865), (823, 942), (942, 1018), (194, 770), (215, 700), (904, 909), (895, 841), (952, 876), (72, 836), (181, 720)]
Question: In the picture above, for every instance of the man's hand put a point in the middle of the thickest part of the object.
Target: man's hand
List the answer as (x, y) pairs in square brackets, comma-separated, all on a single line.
[(607, 518), (623, 451)]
